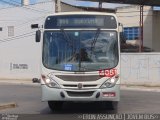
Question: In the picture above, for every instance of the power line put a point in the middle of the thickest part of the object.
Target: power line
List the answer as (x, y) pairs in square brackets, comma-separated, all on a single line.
[(15, 2), (28, 5), (42, 10), (8, 3), (20, 26), (18, 37), (28, 21)]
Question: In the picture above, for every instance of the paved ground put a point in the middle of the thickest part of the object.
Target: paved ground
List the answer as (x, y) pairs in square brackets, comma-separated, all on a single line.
[(27, 96)]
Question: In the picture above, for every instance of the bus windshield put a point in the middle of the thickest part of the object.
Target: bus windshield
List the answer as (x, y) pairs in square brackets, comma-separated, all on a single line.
[(90, 50)]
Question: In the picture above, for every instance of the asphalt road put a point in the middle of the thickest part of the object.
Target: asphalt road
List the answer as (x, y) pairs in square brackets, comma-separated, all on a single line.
[(28, 99)]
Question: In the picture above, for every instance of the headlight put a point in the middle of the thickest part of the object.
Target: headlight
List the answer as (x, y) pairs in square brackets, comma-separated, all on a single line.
[(50, 82), (111, 82)]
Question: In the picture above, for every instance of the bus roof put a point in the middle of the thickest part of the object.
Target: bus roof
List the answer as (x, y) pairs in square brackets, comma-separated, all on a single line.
[(81, 13)]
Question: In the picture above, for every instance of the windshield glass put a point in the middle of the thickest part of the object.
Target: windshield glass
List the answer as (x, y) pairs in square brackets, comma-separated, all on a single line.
[(80, 50)]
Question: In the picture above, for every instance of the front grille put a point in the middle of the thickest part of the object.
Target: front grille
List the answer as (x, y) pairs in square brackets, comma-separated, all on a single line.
[(89, 85), (76, 86), (70, 85), (80, 94), (79, 78)]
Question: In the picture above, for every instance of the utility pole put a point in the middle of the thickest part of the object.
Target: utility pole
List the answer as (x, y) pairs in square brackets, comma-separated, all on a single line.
[(100, 4), (141, 30), (57, 6)]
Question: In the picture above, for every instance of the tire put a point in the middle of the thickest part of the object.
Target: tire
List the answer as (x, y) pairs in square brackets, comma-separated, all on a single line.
[(112, 105), (55, 105)]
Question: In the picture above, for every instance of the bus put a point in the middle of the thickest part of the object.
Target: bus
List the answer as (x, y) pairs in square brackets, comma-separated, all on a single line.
[(80, 59)]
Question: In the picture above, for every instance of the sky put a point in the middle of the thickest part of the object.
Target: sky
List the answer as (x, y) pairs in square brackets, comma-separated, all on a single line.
[(91, 4), (72, 2)]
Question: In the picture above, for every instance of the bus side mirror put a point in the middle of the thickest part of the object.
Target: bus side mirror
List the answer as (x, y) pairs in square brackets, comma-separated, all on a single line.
[(33, 26), (38, 36)]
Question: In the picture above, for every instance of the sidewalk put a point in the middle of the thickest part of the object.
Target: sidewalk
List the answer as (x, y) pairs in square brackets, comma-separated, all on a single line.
[(123, 87), (18, 82)]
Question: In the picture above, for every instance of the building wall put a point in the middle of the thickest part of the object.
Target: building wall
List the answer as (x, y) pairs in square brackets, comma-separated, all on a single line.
[(20, 54), (68, 8), (130, 17), (140, 69), (156, 31)]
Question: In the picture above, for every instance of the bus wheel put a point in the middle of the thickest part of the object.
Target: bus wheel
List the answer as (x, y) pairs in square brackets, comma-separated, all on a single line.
[(55, 105), (112, 105)]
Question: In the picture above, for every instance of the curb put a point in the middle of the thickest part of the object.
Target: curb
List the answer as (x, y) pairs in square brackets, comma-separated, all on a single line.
[(17, 82), (7, 105)]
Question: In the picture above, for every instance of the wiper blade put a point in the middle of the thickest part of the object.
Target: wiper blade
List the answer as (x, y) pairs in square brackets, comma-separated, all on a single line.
[(95, 40), (68, 38), (70, 43)]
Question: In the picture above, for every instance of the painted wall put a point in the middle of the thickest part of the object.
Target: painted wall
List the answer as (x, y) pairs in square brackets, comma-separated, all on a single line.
[(20, 54), (140, 68), (68, 8)]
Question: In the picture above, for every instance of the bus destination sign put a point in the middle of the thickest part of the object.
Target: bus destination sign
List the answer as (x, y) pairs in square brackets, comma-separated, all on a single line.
[(78, 21)]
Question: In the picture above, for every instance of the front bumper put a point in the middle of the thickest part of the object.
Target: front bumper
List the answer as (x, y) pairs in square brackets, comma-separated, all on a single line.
[(53, 94)]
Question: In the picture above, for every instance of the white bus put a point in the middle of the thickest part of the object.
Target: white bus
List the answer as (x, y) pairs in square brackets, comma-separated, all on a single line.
[(80, 58)]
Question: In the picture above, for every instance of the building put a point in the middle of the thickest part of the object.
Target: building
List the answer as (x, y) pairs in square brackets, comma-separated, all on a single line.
[(129, 16)]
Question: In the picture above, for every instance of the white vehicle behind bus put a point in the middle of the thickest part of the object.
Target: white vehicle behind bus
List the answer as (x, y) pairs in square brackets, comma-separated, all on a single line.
[(80, 58)]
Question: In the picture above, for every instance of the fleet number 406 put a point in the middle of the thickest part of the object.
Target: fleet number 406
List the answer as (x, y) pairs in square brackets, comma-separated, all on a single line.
[(107, 73)]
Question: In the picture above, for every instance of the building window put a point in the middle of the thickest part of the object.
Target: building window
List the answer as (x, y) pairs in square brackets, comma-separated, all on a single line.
[(132, 33), (0, 28), (10, 31)]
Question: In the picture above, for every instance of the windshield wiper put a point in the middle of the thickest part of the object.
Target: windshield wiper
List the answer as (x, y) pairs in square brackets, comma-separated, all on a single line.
[(70, 43), (68, 38), (94, 41)]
